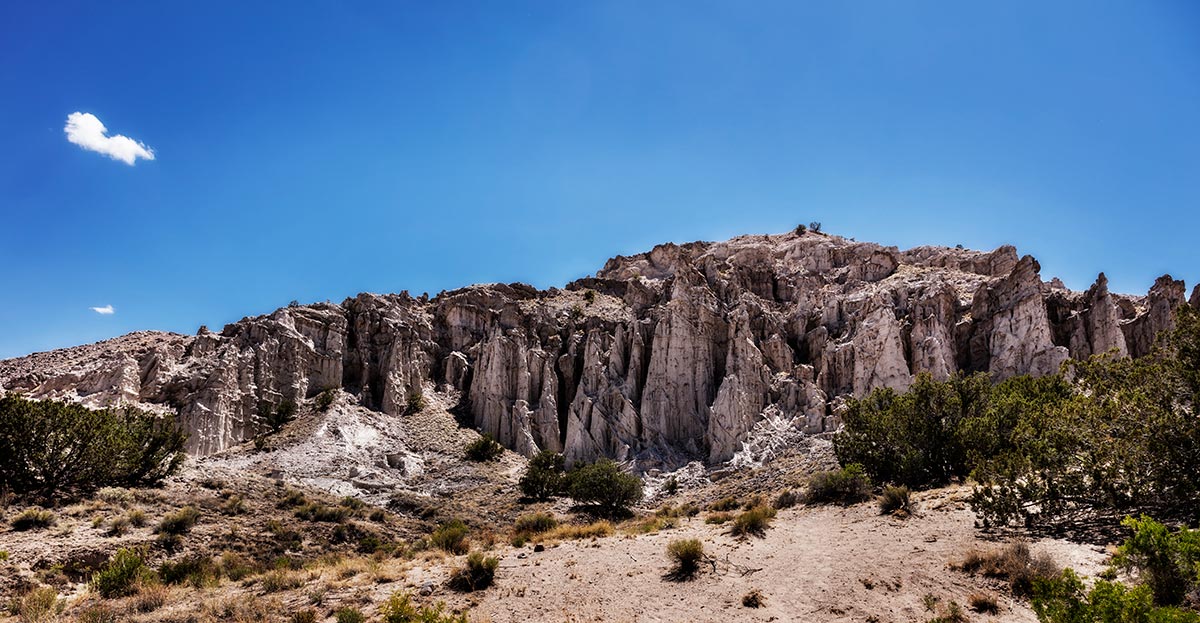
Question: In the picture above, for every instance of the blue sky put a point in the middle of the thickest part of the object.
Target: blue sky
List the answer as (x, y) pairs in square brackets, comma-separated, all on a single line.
[(314, 150)]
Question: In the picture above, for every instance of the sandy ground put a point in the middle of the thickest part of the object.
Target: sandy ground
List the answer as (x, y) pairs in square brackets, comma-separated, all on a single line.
[(815, 564)]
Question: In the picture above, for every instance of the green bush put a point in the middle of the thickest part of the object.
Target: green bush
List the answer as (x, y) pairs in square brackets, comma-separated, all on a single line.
[(121, 575), (179, 522), (33, 518), (1166, 562), (49, 448), (1125, 440), (476, 575), (543, 478), (1065, 600), (896, 501), (450, 537), (686, 556), (847, 485), (399, 608), (535, 523), (484, 449), (326, 398), (753, 522), (416, 401), (349, 615), (604, 488), (279, 415)]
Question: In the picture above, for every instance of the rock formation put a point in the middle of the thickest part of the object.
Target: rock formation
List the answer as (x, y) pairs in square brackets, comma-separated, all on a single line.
[(666, 356)]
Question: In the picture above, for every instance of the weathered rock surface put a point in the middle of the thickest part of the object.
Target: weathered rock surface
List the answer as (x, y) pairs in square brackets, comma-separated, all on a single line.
[(667, 356)]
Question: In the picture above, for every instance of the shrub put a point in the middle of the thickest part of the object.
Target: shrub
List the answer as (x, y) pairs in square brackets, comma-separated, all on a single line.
[(278, 416), (1015, 563), (841, 486), (1166, 562), (896, 501), (753, 522), (574, 532), (535, 523), (49, 447), (197, 571), (983, 603), (815, 226), (543, 478), (1123, 442), (136, 517), (179, 522), (292, 498), (118, 526), (951, 613), (349, 615), (754, 599), (718, 518), (326, 398), (281, 580), (307, 615), (315, 511), (122, 573), (800, 230), (115, 495), (484, 449), (450, 537), (150, 597), (589, 296), (399, 608), (1064, 600), (97, 613), (33, 518), (686, 556), (604, 488), (416, 401), (476, 575), (38, 605), (725, 504), (787, 499)]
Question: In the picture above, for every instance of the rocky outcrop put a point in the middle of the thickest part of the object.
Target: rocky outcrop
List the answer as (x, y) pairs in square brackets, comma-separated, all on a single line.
[(677, 354)]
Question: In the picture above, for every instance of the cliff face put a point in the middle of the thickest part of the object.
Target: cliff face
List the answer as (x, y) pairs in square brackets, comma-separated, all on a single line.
[(665, 356)]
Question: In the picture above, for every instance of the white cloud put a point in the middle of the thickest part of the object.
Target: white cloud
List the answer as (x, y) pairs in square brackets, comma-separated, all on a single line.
[(85, 130), (107, 310)]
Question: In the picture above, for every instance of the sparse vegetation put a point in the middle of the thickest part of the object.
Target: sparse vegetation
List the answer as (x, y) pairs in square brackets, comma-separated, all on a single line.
[(950, 612), (719, 518), (484, 449), (896, 501), (477, 574), (847, 485), (544, 478), (450, 537), (686, 556), (604, 488), (725, 504), (33, 519), (49, 448)]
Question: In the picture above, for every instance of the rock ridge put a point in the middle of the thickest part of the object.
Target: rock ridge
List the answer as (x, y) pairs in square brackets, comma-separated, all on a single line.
[(663, 357)]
